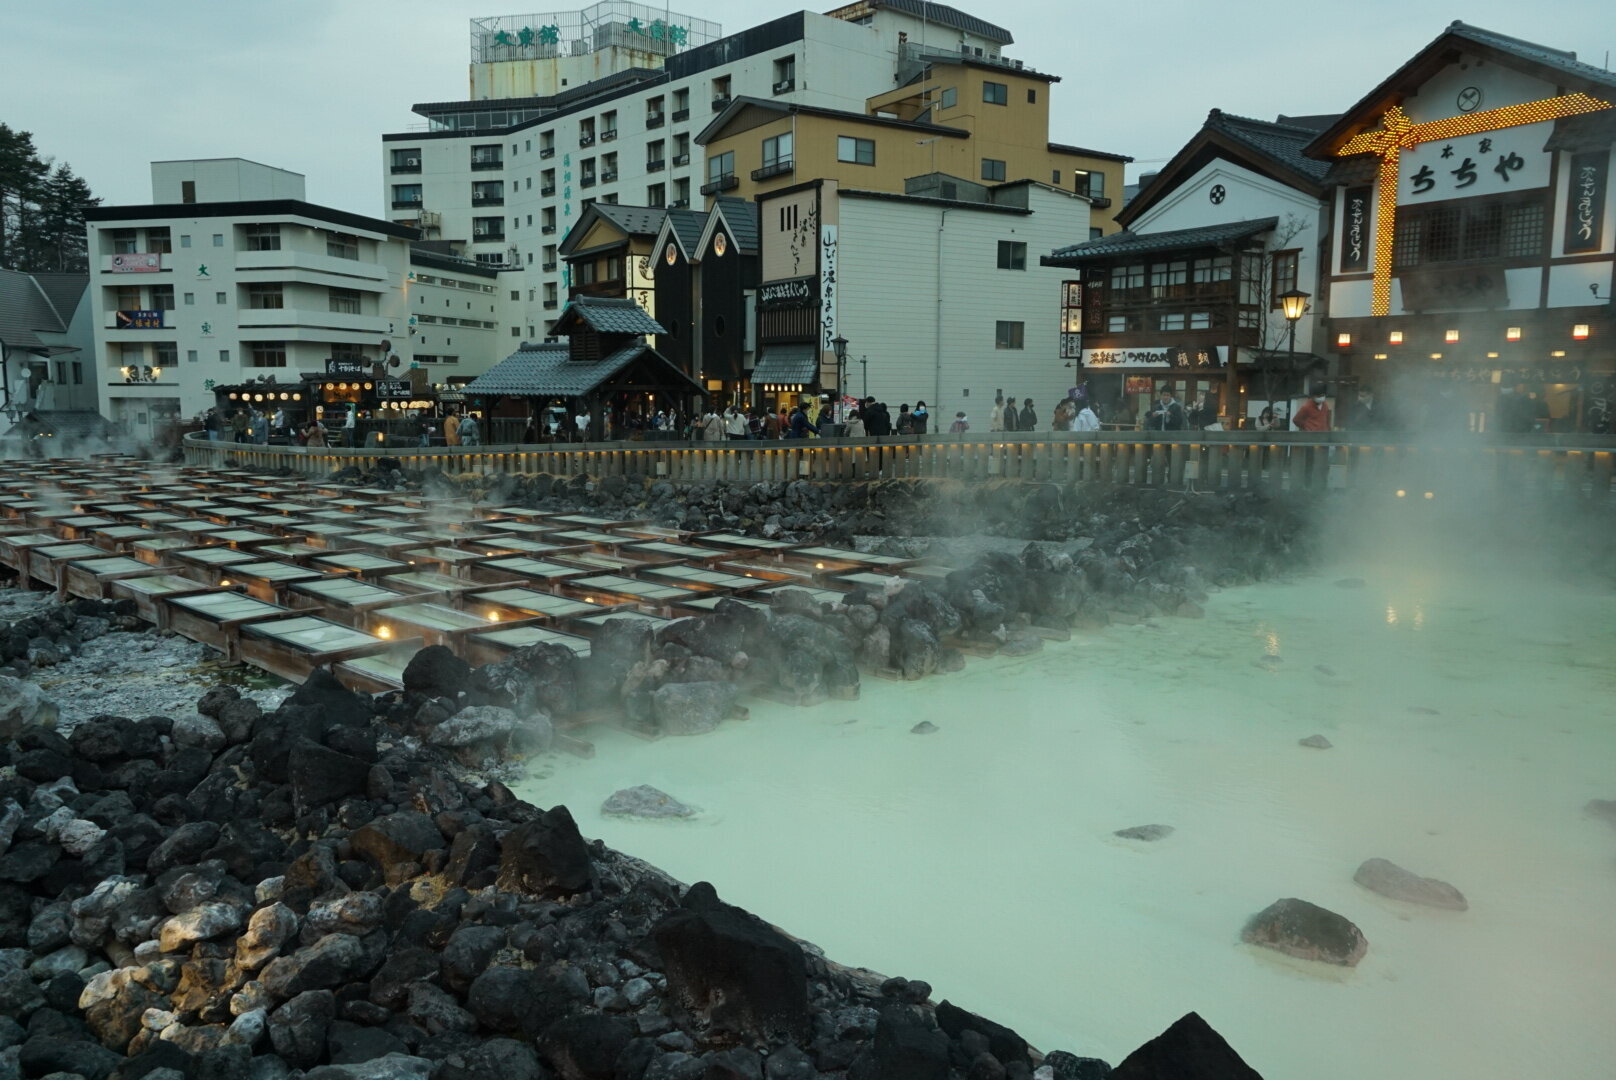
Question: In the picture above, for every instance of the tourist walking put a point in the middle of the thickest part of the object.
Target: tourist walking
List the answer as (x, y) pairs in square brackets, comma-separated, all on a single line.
[(210, 424), (1314, 415), (1027, 420), (960, 425), (996, 414), (1167, 415), (451, 430), (470, 433), (801, 426), (314, 434), (735, 425), (771, 424), (260, 428), (712, 427), (1086, 419), (906, 420)]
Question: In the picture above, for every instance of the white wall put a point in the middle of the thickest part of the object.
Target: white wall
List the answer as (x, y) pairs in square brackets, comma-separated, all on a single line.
[(927, 321), (224, 180)]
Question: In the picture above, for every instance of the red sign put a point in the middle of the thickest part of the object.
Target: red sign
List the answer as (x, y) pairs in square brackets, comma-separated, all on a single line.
[(136, 262)]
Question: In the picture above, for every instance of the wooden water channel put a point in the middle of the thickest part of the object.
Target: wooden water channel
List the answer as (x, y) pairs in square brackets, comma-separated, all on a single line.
[(1579, 466), (289, 575)]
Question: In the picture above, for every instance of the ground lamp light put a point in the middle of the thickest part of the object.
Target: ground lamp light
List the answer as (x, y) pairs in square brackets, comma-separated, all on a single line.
[(1293, 303), (839, 343)]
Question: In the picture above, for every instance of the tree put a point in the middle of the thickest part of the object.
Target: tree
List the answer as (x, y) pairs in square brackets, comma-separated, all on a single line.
[(41, 209), (1257, 281)]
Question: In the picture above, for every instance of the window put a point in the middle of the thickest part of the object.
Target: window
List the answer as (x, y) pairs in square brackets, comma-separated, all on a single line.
[(224, 356), (656, 195), (190, 298), (586, 172), (407, 161), (218, 239), (995, 93), (721, 166), (266, 354), (1200, 320), (681, 193), (992, 169), (1210, 271), (1095, 232), (721, 93), (1054, 177), (342, 245), (127, 297), (344, 301), (488, 193), (1032, 97), (516, 294), (949, 98), (158, 240), (162, 297), (608, 168), (516, 331), (608, 125), (777, 151), (1117, 324), (1284, 274), (1012, 255), (124, 242), (408, 196), (855, 151), (219, 298), (191, 356), (185, 240), (681, 104), (1484, 229), (547, 182), (187, 191), (78, 373), (1008, 335), (61, 373), (653, 111), (785, 74), (262, 237), (655, 155), (788, 218), (1168, 279), (165, 354), (1172, 321), (487, 157), (1128, 279), (262, 296)]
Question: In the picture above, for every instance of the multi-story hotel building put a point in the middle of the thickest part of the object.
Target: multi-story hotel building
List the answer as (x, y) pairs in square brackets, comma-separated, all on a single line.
[(606, 105)]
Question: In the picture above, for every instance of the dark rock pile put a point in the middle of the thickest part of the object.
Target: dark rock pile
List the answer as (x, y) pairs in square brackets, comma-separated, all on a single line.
[(306, 892), (55, 634)]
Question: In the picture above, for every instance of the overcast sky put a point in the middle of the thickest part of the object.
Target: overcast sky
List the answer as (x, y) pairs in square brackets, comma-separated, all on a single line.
[(310, 85)]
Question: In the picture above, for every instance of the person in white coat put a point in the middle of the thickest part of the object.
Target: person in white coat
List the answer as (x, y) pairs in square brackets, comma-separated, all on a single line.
[(1087, 419)]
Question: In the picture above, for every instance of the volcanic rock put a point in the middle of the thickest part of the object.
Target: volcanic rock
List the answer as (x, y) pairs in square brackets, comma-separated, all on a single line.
[(1389, 879), (436, 671), (546, 856), (693, 708), (644, 801), (585, 1047), (1298, 928), (925, 727), (1004, 1044), (1189, 1050), (907, 1047), (1145, 832), (298, 1029), (1315, 742)]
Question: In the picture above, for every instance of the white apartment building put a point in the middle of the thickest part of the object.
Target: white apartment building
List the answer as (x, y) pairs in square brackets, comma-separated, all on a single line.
[(229, 275), (614, 121)]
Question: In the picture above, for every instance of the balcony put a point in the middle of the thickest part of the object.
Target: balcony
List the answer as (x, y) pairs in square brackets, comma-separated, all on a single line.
[(779, 168), (546, 192), (655, 121), (655, 166), (679, 204), (414, 166), (547, 230), (485, 200), (586, 140), (546, 152), (586, 182), (406, 204), (681, 159), (608, 136), (488, 236), (485, 164), (680, 114), (1100, 202), (785, 86), (723, 183), (608, 176), (721, 103), (549, 267), (551, 305)]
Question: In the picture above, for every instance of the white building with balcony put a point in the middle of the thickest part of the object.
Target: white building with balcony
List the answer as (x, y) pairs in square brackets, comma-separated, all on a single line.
[(615, 112), (229, 276)]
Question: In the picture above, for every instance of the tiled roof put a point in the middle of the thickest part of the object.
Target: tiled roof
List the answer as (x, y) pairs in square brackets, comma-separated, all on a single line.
[(1063, 148), (24, 308), (548, 370), (1281, 142), (65, 292), (1564, 62), (687, 226), (633, 220), (786, 364), (1131, 243), (741, 215), (943, 15), (608, 315)]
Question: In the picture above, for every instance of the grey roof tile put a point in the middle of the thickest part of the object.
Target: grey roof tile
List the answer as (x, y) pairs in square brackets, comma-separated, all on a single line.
[(687, 226), (24, 309), (633, 220), (1558, 59), (952, 17), (548, 370), (1131, 243), (608, 315), (787, 364), (1283, 143), (741, 215)]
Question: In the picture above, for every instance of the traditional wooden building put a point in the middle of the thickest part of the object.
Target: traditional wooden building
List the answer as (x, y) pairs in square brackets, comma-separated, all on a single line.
[(608, 253), (1470, 236), (706, 274)]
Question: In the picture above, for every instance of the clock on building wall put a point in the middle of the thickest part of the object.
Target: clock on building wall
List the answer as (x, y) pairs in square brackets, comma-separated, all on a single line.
[(669, 254), (720, 244), (1217, 194)]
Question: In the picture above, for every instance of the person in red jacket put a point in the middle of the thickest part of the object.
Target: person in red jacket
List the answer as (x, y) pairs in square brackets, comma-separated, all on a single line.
[(1314, 415)]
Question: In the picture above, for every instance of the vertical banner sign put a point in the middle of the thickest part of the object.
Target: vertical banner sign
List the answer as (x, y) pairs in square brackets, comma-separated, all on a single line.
[(1071, 328), (827, 287), (1585, 202), (1355, 231)]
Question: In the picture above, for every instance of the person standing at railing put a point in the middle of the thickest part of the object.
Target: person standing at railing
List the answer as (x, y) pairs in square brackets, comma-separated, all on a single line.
[(1168, 414), (260, 428), (1314, 415), (314, 435), (920, 418), (855, 424), (451, 429), (1027, 419), (470, 433), (960, 425), (996, 414), (1086, 419), (240, 426), (1010, 419), (735, 425)]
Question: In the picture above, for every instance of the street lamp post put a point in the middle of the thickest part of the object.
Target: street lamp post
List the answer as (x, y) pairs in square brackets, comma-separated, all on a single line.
[(1294, 304), (839, 343)]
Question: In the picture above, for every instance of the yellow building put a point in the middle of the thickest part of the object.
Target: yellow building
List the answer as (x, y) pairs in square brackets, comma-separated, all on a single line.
[(987, 123)]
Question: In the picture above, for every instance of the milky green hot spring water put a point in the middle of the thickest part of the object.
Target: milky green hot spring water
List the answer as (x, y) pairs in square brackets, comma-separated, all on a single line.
[(1471, 722)]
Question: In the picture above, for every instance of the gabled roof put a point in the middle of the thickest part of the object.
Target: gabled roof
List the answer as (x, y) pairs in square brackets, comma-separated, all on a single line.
[(791, 108), (684, 227), (1269, 148), (740, 219), (1125, 243), (941, 14), (1106, 155), (1556, 66), (25, 309), (631, 221), (547, 370), (65, 292), (607, 315)]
